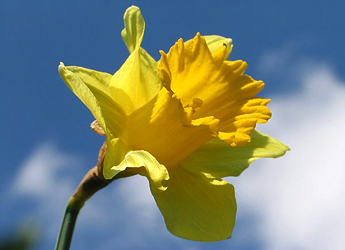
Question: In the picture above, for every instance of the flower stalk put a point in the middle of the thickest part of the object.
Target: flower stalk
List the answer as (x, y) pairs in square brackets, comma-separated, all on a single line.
[(66, 231), (91, 183)]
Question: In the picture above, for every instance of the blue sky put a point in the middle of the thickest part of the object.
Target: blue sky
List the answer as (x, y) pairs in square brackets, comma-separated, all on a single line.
[(296, 47)]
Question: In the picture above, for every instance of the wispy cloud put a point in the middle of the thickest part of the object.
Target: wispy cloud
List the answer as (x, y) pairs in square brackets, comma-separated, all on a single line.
[(299, 199), (40, 173), (44, 182)]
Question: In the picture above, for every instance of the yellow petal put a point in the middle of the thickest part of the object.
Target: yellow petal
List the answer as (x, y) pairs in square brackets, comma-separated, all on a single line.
[(133, 32), (241, 118), (155, 172), (216, 42), (120, 158), (163, 128), (192, 72), (116, 152), (197, 208), (92, 88), (137, 81), (216, 159)]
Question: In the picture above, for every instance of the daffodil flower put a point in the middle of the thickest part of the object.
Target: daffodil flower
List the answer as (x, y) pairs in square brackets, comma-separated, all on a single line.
[(184, 123)]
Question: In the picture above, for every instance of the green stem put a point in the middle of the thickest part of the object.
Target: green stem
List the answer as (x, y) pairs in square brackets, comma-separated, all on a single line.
[(68, 223), (91, 183)]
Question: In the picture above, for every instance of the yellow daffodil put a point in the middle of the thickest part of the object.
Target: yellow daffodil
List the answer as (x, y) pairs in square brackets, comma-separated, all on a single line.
[(184, 123)]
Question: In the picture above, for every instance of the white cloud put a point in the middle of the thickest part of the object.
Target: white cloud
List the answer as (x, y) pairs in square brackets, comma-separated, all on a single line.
[(274, 61), (42, 186), (299, 198), (39, 174)]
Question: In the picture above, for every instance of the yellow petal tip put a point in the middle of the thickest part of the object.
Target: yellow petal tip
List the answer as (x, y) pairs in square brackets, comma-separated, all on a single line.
[(133, 32), (61, 65)]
